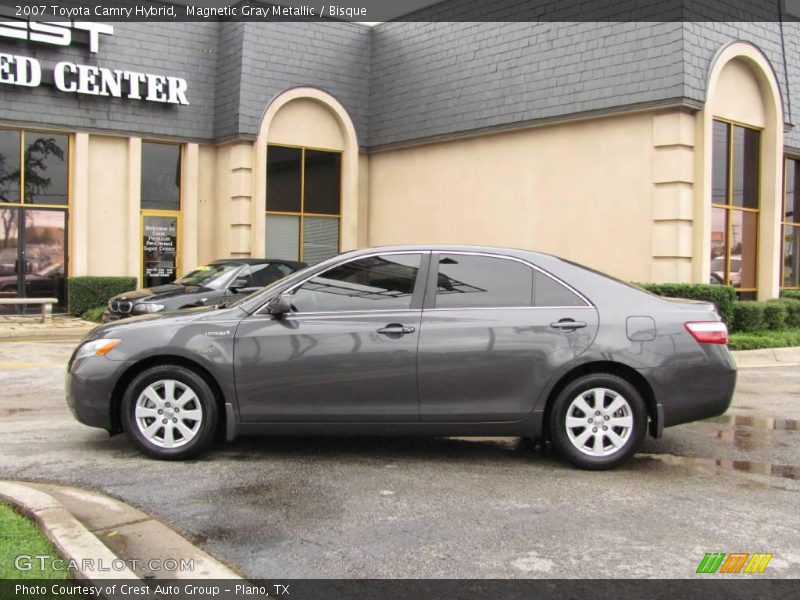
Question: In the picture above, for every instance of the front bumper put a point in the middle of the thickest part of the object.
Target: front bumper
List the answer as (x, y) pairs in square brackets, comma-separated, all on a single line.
[(110, 317), (90, 384)]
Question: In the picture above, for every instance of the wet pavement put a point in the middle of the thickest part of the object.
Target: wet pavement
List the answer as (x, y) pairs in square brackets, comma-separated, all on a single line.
[(444, 507)]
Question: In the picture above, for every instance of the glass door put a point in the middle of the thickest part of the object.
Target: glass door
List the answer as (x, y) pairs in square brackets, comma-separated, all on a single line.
[(33, 254), (159, 248)]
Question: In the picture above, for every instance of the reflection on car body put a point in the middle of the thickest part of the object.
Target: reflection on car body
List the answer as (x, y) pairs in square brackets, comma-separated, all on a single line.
[(212, 284), (422, 340)]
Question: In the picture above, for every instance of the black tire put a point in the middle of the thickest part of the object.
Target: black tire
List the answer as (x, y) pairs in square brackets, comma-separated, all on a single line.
[(203, 433), (636, 410)]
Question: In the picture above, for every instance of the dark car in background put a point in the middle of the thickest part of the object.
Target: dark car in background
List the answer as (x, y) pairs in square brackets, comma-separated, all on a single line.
[(422, 340), (212, 284), (44, 283)]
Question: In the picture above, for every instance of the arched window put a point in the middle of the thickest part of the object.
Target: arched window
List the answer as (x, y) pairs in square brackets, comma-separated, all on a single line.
[(735, 206)]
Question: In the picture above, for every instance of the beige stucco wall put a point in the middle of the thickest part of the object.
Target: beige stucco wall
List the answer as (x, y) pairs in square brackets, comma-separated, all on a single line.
[(107, 214), (207, 229), (306, 122), (737, 95), (582, 190)]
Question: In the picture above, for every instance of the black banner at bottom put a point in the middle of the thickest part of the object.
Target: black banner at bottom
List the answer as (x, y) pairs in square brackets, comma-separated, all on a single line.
[(398, 589)]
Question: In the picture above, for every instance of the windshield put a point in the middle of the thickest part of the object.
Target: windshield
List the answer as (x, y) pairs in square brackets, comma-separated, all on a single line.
[(213, 276)]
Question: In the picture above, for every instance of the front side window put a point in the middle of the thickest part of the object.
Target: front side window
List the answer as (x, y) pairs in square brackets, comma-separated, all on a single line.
[(468, 281), (791, 226), (303, 203), (735, 207), (374, 283)]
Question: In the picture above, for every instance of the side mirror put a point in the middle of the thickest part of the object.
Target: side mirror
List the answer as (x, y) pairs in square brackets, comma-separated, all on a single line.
[(238, 284), (279, 305)]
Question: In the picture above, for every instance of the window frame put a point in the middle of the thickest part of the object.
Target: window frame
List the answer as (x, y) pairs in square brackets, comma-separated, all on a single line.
[(67, 206), (730, 208), (433, 278), (158, 212), (70, 153), (784, 222), (302, 214)]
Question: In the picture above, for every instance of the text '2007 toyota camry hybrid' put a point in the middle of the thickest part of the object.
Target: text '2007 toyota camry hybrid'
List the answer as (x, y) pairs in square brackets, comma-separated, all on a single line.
[(417, 340)]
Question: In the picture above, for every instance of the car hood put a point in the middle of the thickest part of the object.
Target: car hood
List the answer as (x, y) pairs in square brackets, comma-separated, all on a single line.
[(169, 319), (159, 292)]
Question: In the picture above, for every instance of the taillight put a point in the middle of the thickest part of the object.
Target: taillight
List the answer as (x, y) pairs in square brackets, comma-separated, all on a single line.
[(708, 332)]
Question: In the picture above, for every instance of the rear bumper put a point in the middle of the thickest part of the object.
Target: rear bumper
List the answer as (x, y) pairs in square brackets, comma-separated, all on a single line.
[(90, 384), (694, 392)]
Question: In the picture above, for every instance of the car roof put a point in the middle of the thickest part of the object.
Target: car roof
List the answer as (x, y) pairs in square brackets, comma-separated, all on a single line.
[(255, 261), (519, 252)]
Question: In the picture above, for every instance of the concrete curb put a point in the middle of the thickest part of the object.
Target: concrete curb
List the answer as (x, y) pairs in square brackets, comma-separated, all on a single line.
[(126, 533), (768, 356), (67, 333), (72, 539)]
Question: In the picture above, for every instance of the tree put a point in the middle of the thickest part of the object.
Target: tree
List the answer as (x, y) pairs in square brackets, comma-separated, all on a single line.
[(36, 164)]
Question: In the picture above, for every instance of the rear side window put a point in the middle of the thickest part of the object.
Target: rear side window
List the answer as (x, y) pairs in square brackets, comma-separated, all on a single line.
[(374, 283), (467, 281), (548, 292)]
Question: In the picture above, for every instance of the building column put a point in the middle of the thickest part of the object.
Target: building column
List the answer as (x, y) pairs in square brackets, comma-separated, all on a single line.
[(190, 207), (673, 180), (133, 233), (242, 220), (79, 209)]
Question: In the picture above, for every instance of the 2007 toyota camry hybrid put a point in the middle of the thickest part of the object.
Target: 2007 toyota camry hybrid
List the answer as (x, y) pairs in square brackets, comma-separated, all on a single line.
[(430, 340)]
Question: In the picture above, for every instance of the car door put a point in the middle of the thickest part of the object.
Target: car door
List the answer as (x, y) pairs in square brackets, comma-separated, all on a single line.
[(494, 330), (346, 353)]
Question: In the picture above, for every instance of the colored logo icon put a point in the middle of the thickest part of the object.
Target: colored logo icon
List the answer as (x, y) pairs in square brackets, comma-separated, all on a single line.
[(734, 562)]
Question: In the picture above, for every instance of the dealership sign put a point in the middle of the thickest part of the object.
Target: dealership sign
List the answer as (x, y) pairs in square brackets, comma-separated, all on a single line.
[(77, 78)]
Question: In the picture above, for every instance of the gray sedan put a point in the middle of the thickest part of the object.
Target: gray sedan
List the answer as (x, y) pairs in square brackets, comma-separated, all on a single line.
[(413, 340)]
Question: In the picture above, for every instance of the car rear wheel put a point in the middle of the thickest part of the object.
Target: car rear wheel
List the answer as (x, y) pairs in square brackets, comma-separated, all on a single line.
[(169, 412), (598, 421)]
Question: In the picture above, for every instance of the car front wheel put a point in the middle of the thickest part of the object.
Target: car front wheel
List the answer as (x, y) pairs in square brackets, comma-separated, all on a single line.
[(169, 412), (598, 421)]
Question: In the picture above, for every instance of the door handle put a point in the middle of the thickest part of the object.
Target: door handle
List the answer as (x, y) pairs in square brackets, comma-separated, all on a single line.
[(396, 329), (567, 324)]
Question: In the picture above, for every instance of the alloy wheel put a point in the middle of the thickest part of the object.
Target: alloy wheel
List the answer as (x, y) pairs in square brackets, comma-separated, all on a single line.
[(599, 422), (168, 413)]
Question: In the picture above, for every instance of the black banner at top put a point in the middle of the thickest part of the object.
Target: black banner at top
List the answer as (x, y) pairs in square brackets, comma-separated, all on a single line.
[(379, 11)]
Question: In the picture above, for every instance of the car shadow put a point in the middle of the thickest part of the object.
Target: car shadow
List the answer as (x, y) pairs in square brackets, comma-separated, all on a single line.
[(386, 449)]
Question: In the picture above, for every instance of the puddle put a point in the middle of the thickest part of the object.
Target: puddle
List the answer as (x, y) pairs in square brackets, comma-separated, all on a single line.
[(746, 466), (757, 422)]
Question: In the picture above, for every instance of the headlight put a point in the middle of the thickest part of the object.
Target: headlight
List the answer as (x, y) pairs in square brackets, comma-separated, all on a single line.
[(96, 348), (148, 307)]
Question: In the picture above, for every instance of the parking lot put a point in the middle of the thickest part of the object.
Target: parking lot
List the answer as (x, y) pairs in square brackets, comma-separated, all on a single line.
[(438, 508)]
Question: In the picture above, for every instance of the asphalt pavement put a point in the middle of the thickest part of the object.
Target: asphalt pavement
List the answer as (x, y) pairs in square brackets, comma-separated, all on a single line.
[(440, 508)]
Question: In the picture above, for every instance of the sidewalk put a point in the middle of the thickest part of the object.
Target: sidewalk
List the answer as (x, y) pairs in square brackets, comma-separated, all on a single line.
[(97, 531), (770, 356), (16, 327)]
